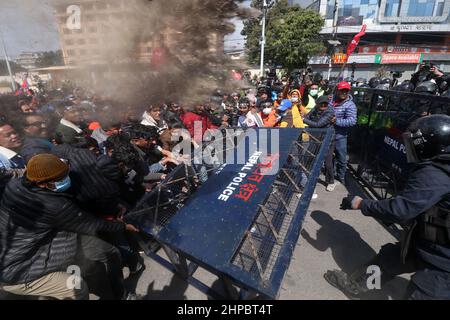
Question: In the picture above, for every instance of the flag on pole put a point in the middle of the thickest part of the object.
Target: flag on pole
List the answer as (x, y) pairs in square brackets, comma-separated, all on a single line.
[(352, 46)]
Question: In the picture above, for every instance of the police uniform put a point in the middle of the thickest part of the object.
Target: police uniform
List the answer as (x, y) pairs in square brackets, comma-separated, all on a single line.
[(423, 208)]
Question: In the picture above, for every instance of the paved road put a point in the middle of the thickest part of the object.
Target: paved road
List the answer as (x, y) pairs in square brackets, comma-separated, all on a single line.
[(330, 239)]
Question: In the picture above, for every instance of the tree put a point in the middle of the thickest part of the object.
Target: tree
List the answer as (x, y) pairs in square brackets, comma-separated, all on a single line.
[(292, 35), (50, 59), (14, 68)]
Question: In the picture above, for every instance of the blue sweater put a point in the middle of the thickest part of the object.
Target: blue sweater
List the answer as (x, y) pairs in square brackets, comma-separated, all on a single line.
[(346, 115)]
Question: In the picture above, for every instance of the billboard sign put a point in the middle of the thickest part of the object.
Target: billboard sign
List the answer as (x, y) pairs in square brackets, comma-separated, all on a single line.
[(393, 58)]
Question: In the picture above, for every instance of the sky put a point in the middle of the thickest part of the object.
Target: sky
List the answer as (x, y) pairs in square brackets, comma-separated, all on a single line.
[(28, 26)]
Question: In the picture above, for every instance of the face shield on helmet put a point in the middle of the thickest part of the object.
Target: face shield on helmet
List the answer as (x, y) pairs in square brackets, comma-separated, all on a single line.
[(414, 143)]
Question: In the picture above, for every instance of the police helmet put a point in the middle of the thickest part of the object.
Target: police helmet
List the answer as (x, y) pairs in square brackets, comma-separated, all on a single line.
[(374, 82), (405, 86), (428, 87), (428, 138)]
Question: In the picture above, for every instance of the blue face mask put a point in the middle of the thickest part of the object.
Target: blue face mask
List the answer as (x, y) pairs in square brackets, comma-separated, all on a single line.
[(63, 185)]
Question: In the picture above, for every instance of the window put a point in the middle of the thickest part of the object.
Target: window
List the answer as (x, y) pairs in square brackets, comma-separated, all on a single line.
[(440, 9), (81, 41), (69, 42), (365, 8), (92, 29), (392, 8), (93, 40), (421, 8), (71, 52), (83, 52)]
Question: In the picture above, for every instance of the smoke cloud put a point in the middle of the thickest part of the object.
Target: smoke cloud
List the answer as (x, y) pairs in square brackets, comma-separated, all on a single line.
[(189, 36)]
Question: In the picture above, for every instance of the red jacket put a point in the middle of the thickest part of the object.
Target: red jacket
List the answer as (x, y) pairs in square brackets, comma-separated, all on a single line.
[(190, 118)]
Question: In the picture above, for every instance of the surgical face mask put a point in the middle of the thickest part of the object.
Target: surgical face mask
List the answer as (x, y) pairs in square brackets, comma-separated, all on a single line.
[(314, 92), (267, 111), (294, 99), (63, 185)]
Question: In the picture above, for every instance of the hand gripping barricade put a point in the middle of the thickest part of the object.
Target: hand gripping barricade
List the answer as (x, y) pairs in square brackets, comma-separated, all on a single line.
[(243, 223)]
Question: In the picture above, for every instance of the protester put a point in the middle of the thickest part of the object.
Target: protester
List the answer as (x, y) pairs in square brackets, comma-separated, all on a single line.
[(68, 130), (322, 117), (152, 117), (47, 232), (346, 114)]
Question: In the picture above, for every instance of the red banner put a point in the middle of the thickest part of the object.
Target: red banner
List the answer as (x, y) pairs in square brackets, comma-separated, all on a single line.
[(352, 46)]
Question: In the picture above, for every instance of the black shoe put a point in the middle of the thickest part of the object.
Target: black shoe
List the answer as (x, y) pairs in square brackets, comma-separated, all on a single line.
[(134, 296), (140, 266), (339, 280)]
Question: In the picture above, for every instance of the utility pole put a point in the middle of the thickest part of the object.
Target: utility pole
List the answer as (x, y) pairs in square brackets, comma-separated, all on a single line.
[(263, 38), (13, 82), (335, 16)]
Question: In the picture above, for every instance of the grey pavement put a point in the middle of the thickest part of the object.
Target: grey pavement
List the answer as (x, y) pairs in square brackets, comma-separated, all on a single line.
[(330, 239)]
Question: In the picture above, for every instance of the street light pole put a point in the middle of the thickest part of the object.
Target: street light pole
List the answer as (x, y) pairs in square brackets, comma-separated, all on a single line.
[(263, 38), (335, 16), (13, 82)]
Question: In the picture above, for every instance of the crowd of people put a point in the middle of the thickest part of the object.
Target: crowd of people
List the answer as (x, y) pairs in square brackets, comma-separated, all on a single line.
[(72, 166)]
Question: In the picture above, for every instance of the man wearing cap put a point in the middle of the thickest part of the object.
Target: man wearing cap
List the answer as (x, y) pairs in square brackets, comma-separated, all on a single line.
[(346, 114), (321, 117), (43, 231)]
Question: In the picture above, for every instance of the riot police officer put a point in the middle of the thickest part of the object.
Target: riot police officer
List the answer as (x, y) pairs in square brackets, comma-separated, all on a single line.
[(423, 208)]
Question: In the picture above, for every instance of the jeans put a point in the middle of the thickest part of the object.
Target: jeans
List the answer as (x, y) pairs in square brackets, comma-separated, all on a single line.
[(341, 158), (329, 169), (106, 260)]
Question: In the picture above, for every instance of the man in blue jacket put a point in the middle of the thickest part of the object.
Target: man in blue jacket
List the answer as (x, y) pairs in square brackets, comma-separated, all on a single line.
[(322, 117), (423, 208), (346, 114)]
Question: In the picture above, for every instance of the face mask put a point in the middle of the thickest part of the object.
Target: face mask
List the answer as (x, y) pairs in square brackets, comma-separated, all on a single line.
[(267, 111), (314, 92), (63, 185), (294, 100)]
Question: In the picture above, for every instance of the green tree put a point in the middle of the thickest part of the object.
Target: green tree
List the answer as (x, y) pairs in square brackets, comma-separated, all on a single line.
[(292, 35), (14, 68), (50, 59)]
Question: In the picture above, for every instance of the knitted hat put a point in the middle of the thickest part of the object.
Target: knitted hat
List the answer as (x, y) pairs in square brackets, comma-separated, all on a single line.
[(46, 167)]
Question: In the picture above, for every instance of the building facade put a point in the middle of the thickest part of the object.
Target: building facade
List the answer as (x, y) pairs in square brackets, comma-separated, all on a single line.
[(400, 34), (110, 33), (27, 60)]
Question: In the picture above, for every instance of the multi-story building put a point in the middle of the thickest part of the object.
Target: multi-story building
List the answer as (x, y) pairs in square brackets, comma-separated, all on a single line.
[(400, 34), (110, 33), (27, 60)]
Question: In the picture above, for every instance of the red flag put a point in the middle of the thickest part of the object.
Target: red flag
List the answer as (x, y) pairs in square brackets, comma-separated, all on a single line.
[(352, 46)]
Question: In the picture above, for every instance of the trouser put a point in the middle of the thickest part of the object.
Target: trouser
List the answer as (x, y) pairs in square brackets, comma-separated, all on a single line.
[(102, 265), (58, 285), (329, 169), (127, 246), (428, 282), (341, 158)]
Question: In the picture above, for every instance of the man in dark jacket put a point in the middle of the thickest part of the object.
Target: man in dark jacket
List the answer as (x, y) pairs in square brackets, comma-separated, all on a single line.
[(68, 130), (36, 136), (423, 207), (43, 231), (322, 117)]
